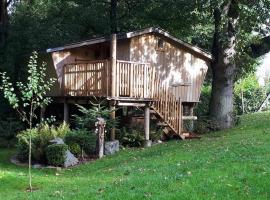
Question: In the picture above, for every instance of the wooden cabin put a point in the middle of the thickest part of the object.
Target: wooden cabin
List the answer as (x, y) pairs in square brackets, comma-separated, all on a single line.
[(147, 68)]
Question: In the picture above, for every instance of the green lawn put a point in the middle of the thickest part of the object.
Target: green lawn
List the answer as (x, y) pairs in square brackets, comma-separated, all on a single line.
[(232, 164)]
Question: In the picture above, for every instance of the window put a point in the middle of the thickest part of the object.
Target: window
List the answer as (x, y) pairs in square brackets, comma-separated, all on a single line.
[(160, 44)]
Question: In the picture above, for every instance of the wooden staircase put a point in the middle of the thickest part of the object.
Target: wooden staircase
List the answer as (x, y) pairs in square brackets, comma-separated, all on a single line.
[(166, 105)]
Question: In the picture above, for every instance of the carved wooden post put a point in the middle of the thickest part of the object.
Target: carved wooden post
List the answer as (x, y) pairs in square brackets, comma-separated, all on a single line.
[(100, 124)]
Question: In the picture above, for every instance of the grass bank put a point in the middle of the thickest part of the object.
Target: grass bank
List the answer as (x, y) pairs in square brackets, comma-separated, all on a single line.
[(231, 164)]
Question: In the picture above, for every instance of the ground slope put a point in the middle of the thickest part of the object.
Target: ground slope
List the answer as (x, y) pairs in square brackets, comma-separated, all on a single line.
[(232, 164)]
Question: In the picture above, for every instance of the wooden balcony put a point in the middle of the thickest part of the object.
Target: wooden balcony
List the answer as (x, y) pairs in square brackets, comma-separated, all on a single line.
[(94, 78), (132, 81)]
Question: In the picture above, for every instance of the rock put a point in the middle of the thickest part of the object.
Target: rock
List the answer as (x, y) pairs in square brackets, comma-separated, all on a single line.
[(71, 160), (111, 147), (57, 141), (147, 143), (37, 166)]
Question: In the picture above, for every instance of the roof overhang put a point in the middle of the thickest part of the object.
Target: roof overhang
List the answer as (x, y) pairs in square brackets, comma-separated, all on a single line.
[(127, 35)]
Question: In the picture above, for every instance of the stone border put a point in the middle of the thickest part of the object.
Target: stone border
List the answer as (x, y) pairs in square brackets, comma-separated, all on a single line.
[(14, 160)]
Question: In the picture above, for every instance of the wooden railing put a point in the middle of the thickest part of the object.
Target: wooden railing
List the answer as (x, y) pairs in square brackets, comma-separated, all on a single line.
[(86, 79), (166, 104), (132, 79), (94, 78)]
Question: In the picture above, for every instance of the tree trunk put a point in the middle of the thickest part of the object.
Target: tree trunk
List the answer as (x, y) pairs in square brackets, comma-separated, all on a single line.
[(3, 21), (113, 18), (223, 66)]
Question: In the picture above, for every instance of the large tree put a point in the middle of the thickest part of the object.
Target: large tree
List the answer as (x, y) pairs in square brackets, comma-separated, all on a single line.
[(3, 20), (234, 24)]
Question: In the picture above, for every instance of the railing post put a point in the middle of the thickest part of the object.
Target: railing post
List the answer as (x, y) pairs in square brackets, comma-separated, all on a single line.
[(63, 81), (180, 116), (113, 65), (145, 81)]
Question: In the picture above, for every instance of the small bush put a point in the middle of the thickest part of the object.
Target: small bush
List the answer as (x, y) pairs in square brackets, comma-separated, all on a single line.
[(85, 139), (41, 138), (23, 143), (205, 125), (131, 137), (56, 154), (61, 130), (247, 91), (9, 128), (203, 106), (75, 149)]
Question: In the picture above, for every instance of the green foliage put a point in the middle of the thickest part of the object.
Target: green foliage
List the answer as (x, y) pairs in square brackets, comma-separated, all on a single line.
[(84, 138), (205, 125), (250, 92), (203, 106), (32, 93), (89, 117), (56, 154), (75, 149), (156, 134), (9, 128), (23, 143), (41, 137), (130, 137)]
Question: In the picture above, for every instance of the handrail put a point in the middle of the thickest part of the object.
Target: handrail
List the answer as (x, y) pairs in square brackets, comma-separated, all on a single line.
[(86, 79), (132, 79), (166, 104)]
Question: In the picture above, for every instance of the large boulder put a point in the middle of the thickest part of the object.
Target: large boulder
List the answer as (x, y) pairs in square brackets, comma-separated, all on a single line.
[(111, 147), (70, 160)]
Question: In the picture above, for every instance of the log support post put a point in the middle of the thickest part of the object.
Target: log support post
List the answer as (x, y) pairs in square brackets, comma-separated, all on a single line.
[(113, 65), (112, 108), (66, 112), (192, 121), (147, 125)]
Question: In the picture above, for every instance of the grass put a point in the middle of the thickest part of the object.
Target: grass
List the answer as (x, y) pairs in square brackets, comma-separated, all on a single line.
[(231, 164)]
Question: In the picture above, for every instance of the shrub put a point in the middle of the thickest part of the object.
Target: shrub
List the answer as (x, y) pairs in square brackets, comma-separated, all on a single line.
[(23, 144), (61, 130), (130, 137), (202, 108), (247, 91), (205, 125), (56, 154), (41, 138), (75, 149), (155, 134), (85, 139), (9, 128), (89, 117)]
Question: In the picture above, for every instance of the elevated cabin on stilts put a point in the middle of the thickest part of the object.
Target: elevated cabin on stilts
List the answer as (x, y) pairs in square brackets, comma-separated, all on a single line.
[(147, 68)]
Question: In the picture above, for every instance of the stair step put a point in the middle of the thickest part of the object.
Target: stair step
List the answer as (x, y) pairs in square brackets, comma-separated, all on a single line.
[(166, 131), (153, 112), (189, 117), (191, 136), (162, 124)]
